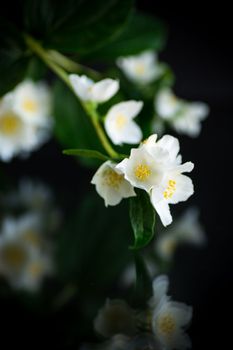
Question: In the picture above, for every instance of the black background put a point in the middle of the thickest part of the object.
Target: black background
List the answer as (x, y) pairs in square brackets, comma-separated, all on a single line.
[(199, 50)]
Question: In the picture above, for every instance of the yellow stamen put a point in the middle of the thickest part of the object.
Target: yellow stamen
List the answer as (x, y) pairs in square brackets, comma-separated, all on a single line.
[(35, 269), (30, 105), (112, 178), (166, 324), (140, 68), (31, 237), (13, 256), (170, 190), (142, 172), (120, 121), (9, 123)]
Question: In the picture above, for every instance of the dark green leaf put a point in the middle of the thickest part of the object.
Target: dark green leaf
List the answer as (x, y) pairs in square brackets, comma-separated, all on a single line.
[(142, 216), (73, 128), (143, 287), (92, 240), (143, 32), (13, 57), (76, 26), (86, 153), (36, 69)]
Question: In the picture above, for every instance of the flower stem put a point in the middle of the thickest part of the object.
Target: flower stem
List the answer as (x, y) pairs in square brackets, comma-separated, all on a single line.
[(61, 73), (72, 66)]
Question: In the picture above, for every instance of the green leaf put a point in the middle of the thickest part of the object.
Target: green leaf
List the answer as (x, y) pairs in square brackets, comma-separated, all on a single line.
[(143, 286), (75, 25), (13, 57), (142, 216), (143, 32), (91, 241), (87, 153), (73, 128)]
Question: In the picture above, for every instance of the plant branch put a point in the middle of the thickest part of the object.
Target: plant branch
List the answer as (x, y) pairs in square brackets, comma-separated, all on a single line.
[(61, 73)]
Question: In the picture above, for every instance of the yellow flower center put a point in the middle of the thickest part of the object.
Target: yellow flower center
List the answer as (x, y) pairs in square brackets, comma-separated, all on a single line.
[(166, 324), (30, 105), (9, 124), (13, 256), (140, 68), (31, 237), (169, 246), (142, 172), (170, 190), (35, 269), (120, 121), (112, 178)]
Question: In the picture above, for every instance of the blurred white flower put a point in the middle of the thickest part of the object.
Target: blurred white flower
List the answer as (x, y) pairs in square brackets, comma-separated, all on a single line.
[(185, 117), (167, 104), (160, 288), (87, 90), (169, 318), (168, 324), (189, 121), (119, 123), (17, 136), (25, 258), (30, 195), (32, 101), (141, 69), (187, 229), (111, 184), (116, 317), (129, 275)]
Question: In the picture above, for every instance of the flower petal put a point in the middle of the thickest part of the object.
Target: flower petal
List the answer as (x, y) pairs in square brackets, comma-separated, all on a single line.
[(104, 90)]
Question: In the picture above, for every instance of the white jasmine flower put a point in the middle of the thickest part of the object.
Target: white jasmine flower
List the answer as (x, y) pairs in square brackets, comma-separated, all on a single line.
[(169, 318), (160, 289), (185, 117), (119, 123), (141, 169), (39, 265), (32, 101), (17, 137), (30, 195), (111, 184), (156, 167), (187, 229), (116, 317), (169, 322), (174, 188), (141, 69), (87, 90), (189, 121), (167, 104), (24, 261), (167, 149)]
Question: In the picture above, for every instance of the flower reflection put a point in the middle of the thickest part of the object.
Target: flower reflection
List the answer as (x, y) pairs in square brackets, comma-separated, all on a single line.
[(115, 317), (26, 252), (160, 325), (187, 229)]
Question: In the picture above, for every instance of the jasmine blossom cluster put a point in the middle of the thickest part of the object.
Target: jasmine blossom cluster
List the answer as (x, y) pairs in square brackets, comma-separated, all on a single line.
[(25, 121), (155, 167)]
